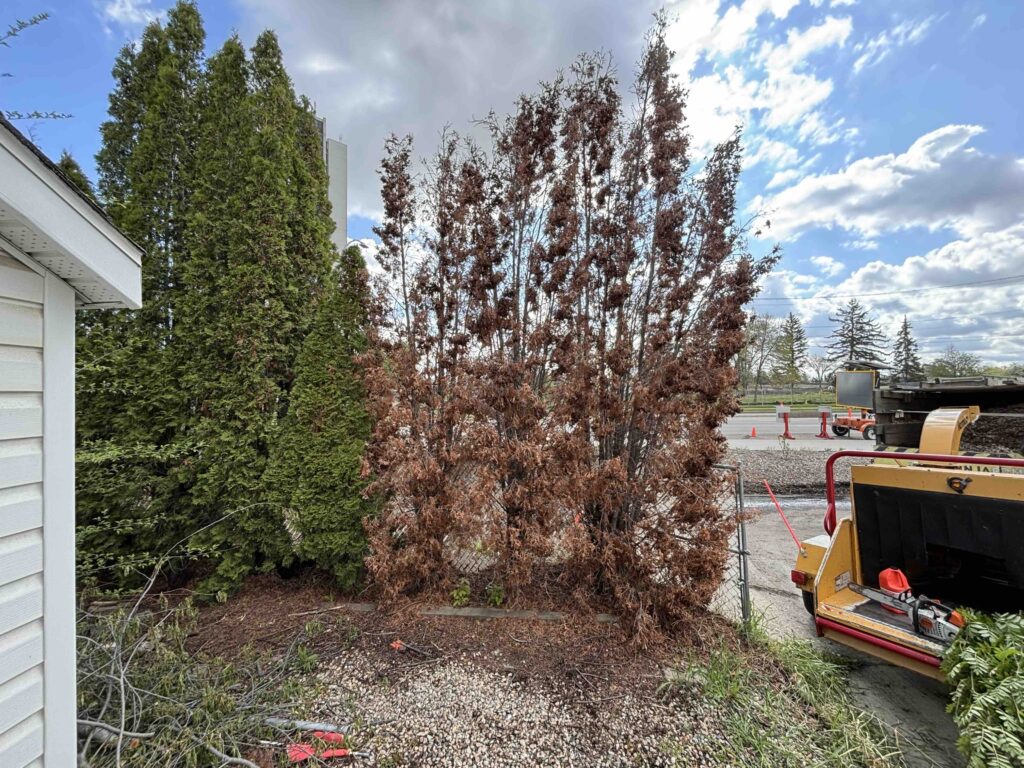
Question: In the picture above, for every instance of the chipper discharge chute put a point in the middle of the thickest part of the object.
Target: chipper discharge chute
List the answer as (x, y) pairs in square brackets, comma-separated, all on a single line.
[(929, 532)]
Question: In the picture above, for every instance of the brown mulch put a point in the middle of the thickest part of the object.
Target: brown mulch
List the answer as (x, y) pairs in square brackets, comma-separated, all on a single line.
[(261, 614), (996, 433), (269, 612)]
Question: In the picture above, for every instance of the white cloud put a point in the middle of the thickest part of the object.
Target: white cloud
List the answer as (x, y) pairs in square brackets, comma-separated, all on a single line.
[(323, 63), (966, 292), (717, 104), (828, 266), (367, 83), (939, 182), (801, 44), (129, 15), (862, 244), (690, 32), (787, 96), (776, 154), (984, 319), (734, 28), (415, 67), (783, 177), (814, 129), (878, 48), (698, 28), (980, 19)]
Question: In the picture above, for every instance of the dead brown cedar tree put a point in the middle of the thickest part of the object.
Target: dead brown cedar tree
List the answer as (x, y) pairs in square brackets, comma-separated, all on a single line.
[(552, 360)]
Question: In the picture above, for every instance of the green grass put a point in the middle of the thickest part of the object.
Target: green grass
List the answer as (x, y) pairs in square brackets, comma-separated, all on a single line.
[(786, 706), (798, 401)]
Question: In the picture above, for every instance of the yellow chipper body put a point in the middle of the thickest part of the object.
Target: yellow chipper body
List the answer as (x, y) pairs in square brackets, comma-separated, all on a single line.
[(929, 532)]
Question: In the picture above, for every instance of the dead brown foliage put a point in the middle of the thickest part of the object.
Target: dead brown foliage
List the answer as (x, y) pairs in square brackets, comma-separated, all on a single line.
[(552, 355)]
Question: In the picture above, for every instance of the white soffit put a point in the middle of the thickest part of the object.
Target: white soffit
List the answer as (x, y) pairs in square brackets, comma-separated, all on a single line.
[(44, 219)]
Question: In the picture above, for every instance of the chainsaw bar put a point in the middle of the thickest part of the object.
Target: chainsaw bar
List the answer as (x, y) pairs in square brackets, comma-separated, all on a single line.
[(928, 617)]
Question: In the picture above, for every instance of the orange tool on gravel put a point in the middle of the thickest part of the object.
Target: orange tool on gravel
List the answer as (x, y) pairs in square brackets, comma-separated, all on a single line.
[(298, 753), (401, 646)]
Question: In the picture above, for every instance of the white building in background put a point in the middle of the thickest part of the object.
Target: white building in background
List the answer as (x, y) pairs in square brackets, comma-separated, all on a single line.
[(336, 160), (337, 190), (58, 254)]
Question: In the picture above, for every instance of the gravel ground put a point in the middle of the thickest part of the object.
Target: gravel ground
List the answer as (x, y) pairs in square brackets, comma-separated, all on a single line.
[(789, 472), (450, 712)]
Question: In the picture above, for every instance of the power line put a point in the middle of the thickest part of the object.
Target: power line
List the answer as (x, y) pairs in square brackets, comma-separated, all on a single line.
[(970, 284), (914, 322)]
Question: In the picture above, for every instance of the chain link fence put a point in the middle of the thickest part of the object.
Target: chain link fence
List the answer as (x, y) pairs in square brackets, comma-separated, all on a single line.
[(732, 599)]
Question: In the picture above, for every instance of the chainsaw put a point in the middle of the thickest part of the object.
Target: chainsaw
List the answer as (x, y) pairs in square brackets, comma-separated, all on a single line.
[(929, 618)]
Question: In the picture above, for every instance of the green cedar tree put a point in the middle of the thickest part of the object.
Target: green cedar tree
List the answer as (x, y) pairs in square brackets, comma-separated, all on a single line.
[(130, 406), (73, 171), (217, 170), (315, 468), (257, 266)]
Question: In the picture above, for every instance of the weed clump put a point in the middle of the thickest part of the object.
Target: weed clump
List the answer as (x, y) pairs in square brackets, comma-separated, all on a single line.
[(786, 705)]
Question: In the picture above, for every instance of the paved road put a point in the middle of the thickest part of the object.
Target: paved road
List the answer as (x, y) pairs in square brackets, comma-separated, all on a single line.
[(738, 428), (912, 704)]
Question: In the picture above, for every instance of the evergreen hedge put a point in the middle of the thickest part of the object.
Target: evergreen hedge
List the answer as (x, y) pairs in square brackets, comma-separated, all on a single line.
[(215, 167)]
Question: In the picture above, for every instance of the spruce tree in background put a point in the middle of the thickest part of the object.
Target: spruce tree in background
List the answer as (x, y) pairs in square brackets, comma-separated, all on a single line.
[(906, 363), (857, 335), (792, 351), (130, 402), (315, 468)]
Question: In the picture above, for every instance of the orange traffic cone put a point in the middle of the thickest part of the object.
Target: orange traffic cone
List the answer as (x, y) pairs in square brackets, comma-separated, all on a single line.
[(753, 431)]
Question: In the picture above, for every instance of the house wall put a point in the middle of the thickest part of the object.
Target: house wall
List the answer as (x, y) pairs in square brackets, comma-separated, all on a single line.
[(37, 616)]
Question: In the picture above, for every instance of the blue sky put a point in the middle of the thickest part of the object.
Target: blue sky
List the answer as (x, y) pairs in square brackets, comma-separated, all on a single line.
[(883, 139)]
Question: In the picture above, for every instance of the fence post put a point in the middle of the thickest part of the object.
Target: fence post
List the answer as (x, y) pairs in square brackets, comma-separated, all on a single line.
[(741, 536)]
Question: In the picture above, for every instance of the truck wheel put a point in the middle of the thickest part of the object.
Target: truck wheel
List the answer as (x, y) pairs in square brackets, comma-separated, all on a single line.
[(840, 431), (808, 601), (869, 433)]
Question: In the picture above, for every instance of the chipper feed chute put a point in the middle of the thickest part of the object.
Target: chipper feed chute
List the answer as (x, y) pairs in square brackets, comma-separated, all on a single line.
[(952, 525)]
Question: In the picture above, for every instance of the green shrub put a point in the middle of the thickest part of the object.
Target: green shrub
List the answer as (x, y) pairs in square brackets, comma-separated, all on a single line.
[(461, 594), (985, 669), (495, 595)]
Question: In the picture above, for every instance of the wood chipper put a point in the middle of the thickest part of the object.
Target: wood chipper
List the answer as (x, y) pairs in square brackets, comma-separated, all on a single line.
[(929, 532)]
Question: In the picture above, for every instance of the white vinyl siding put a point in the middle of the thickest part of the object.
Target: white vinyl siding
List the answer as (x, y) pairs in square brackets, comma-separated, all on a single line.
[(21, 515), (57, 252)]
